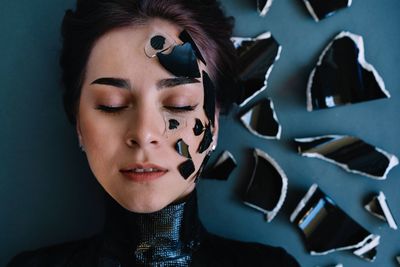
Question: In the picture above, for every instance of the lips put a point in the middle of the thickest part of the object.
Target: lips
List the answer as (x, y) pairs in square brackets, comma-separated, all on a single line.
[(143, 172)]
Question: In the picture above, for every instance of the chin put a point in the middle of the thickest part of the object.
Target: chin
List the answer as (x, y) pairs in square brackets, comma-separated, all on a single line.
[(147, 204)]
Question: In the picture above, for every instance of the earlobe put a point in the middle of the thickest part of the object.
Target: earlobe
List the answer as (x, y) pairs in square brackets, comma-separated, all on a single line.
[(79, 134)]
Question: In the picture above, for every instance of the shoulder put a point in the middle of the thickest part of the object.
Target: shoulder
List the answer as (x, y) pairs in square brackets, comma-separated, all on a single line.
[(228, 252), (74, 253)]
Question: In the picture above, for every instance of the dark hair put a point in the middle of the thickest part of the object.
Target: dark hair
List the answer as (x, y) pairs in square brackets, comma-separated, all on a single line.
[(202, 19)]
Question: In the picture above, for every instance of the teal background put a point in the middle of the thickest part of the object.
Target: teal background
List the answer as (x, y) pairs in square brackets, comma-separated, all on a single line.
[(48, 194)]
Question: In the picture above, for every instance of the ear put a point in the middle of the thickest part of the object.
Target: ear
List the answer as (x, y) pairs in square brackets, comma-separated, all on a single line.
[(78, 131)]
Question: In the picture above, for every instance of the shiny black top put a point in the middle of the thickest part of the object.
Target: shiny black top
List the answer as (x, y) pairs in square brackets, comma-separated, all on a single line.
[(173, 236)]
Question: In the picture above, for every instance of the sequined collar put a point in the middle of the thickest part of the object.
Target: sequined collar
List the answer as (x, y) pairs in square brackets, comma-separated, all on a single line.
[(164, 238)]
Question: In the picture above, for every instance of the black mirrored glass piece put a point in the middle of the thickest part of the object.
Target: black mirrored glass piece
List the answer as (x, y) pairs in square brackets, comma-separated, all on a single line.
[(268, 185), (173, 124), (157, 42), (181, 62), (186, 168), (261, 120), (203, 165), (320, 9), (209, 97), (207, 139), (182, 148), (342, 76), (263, 6), (380, 209), (327, 228), (186, 38), (222, 168), (198, 127), (256, 58), (350, 153)]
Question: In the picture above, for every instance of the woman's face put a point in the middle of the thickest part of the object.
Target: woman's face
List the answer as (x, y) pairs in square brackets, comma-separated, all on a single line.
[(134, 114)]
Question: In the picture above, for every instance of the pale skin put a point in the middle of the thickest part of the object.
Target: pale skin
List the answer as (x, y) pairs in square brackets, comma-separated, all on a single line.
[(136, 134)]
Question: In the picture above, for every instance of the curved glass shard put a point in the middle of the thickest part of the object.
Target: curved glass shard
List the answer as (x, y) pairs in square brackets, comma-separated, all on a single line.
[(263, 7), (327, 228), (350, 153), (380, 209), (222, 168), (342, 76), (268, 185), (256, 60), (261, 120), (320, 9)]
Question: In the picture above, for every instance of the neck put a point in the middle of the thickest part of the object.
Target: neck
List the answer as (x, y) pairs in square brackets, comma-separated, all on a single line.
[(170, 235)]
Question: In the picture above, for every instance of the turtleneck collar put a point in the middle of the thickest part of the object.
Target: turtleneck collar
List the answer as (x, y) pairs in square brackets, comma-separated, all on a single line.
[(164, 238)]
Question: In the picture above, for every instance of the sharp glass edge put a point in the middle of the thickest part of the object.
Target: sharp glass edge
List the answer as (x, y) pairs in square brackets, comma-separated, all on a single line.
[(312, 12), (278, 134), (365, 245), (398, 259), (264, 10), (237, 42), (225, 155), (337, 265), (385, 208), (272, 213), (393, 160), (358, 39)]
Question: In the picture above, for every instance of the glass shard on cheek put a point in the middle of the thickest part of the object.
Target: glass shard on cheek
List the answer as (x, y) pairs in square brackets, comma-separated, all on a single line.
[(198, 127), (186, 168), (206, 141), (182, 148), (173, 124)]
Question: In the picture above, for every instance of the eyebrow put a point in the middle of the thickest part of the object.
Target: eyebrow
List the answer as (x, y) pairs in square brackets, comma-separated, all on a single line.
[(164, 83), (116, 82)]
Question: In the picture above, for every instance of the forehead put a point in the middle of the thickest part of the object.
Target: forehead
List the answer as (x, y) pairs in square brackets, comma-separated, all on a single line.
[(122, 48)]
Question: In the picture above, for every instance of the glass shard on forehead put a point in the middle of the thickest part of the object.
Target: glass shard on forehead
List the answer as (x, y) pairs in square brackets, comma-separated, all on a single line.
[(343, 76), (159, 43), (186, 38), (261, 120), (186, 168), (378, 207), (222, 168), (263, 6), (350, 153), (209, 97), (320, 9), (267, 188), (182, 148), (327, 228), (256, 58)]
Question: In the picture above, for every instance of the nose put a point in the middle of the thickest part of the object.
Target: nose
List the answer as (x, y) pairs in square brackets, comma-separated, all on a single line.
[(145, 128)]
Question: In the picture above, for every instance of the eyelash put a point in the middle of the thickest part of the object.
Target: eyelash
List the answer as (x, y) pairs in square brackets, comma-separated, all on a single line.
[(114, 110)]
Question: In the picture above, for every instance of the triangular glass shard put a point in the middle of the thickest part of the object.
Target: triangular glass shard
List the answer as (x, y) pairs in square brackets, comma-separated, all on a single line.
[(222, 168), (379, 208), (342, 76), (263, 7), (327, 228), (268, 185), (320, 9), (256, 60), (351, 153), (261, 120)]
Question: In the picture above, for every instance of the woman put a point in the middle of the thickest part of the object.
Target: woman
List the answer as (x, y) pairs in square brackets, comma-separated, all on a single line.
[(144, 84)]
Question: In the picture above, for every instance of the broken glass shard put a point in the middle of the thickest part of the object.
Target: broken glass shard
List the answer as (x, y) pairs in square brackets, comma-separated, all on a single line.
[(182, 148), (209, 97), (186, 38), (173, 124), (267, 187), (256, 58), (320, 9), (261, 120), (157, 42), (327, 228), (350, 153), (263, 6), (379, 208), (206, 140), (342, 76), (222, 168), (198, 127), (186, 168), (398, 259)]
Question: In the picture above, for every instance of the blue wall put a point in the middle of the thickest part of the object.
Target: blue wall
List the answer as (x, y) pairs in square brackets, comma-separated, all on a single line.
[(48, 195)]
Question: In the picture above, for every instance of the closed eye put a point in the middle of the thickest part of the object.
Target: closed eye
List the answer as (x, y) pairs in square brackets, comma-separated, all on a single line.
[(181, 108), (110, 109)]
